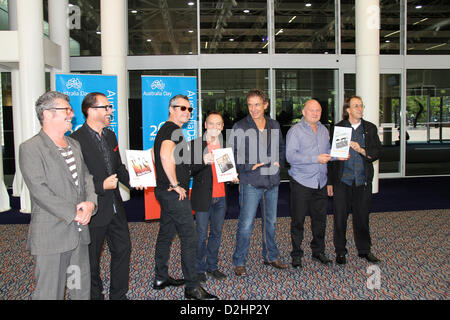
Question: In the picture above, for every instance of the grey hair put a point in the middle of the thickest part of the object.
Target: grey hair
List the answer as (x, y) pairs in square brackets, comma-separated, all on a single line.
[(173, 100), (48, 101)]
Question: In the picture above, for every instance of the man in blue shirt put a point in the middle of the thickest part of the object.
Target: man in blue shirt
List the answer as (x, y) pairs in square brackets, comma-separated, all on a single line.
[(307, 150)]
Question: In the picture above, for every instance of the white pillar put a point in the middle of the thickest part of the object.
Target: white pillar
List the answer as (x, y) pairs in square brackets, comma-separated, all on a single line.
[(17, 117), (31, 72), (367, 30), (114, 28), (59, 34)]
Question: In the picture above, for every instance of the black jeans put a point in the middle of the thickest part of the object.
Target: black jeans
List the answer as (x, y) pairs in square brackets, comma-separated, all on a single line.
[(304, 199), (119, 244), (353, 199), (176, 218)]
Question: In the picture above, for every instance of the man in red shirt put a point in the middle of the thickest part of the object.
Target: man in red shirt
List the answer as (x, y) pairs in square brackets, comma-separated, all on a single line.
[(208, 199)]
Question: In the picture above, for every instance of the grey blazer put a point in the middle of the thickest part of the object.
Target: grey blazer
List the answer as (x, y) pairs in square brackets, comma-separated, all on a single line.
[(54, 195)]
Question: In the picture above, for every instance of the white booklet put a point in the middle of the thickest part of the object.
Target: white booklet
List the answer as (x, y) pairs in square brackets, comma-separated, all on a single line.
[(341, 142), (140, 168), (225, 165)]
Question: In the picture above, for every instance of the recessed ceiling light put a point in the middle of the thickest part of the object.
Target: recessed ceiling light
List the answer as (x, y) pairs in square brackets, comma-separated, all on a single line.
[(308, 5), (133, 11), (191, 31), (419, 7), (149, 40), (246, 11), (387, 41), (191, 3), (231, 39), (98, 32)]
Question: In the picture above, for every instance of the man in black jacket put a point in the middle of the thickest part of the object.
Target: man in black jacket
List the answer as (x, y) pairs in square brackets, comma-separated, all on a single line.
[(208, 198), (102, 157), (350, 182)]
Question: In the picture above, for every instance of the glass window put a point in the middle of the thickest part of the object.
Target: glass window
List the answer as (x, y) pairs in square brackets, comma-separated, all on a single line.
[(4, 20), (389, 26), (85, 36), (225, 91), (428, 122), (304, 26), (233, 26), (389, 118), (162, 27), (428, 27), (295, 87)]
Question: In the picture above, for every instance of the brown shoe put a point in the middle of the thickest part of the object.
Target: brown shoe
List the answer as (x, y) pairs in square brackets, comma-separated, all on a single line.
[(240, 271), (277, 264)]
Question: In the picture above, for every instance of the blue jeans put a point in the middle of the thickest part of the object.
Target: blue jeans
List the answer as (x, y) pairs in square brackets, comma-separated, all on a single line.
[(208, 247), (249, 199)]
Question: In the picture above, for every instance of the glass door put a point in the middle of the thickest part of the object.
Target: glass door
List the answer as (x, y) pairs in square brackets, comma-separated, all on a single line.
[(390, 120)]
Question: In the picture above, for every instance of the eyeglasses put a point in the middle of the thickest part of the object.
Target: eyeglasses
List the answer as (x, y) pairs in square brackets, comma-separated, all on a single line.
[(69, 110), (108, 107), (183, 108)]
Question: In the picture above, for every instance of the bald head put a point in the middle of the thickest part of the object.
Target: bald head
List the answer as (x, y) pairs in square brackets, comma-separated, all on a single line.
[(312, 112)]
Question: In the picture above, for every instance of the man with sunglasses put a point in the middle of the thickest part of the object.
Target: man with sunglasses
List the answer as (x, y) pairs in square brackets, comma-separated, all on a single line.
[(102, 157), (172, 185)]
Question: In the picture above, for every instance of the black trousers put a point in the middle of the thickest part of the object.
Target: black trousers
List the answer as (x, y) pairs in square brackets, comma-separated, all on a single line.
[(356, 200), (118, 239), (176, 218), (304, 199)]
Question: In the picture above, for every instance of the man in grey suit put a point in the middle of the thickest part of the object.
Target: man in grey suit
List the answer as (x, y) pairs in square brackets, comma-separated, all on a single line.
[(62, 202)]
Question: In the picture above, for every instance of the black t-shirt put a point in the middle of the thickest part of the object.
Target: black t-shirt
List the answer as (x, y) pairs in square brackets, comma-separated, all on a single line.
[(170, 131)]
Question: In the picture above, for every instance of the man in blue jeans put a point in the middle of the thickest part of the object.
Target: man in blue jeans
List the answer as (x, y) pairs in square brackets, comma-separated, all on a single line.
[(208, 198), (259, 150)]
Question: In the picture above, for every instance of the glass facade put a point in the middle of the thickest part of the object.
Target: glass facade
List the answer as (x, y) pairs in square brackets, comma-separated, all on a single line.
[(295, 50), (428, 27), (304, 26), (428, 122), (162, 27), (233, 26)]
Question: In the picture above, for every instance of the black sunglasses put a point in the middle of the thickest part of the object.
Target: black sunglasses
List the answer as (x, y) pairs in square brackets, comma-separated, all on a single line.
[(110, 106), (183, 108)]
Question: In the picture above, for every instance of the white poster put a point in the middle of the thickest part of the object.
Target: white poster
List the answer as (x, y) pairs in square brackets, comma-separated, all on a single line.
[(140, 168), (341, 142), (225, 165)]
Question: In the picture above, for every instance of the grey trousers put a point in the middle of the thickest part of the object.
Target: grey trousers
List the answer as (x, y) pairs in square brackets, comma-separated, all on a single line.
[(56, 271)]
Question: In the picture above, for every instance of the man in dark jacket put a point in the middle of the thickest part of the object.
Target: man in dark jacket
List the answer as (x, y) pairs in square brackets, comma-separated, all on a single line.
[(259, 151), (351, 182), (102, 157), (208, 198)]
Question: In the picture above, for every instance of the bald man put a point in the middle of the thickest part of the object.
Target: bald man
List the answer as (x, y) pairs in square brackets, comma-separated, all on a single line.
[(307, 150)]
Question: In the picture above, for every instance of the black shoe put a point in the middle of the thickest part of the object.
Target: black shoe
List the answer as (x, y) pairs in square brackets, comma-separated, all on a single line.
[(369, 257), (321, 257), (170, 282), (198, 294), (297, 262), (340, 259), (216, 274), (201, 277)]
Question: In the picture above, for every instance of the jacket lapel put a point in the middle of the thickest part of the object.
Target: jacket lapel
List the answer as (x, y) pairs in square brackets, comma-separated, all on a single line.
[(54, 152)]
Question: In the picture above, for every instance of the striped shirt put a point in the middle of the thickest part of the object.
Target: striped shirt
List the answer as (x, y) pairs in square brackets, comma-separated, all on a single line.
[(67, 154)]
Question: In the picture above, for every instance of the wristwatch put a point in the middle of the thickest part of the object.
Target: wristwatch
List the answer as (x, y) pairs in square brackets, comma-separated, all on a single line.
[(174, 186)]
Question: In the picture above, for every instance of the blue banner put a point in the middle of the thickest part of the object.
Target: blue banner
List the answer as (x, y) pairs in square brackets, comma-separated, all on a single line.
[(77, 86), (156, 94)]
